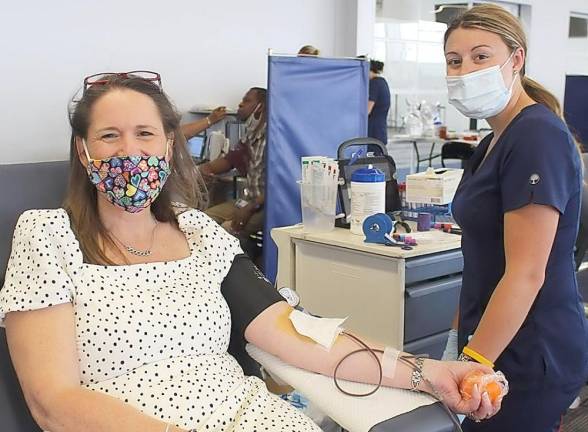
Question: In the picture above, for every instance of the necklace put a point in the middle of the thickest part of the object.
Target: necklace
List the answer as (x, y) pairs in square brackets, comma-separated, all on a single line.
[(138, 252)]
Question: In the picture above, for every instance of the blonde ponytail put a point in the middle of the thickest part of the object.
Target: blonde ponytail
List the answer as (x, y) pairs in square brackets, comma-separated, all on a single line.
[(541, 95)]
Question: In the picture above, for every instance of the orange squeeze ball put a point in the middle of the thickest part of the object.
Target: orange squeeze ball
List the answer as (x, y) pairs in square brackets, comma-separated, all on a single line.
[(493, 384)]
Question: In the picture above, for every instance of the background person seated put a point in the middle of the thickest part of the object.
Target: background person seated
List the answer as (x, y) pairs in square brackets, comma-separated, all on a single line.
[(245, 216)]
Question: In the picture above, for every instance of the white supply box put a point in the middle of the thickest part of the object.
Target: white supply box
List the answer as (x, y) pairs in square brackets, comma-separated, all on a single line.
[(434, 186)]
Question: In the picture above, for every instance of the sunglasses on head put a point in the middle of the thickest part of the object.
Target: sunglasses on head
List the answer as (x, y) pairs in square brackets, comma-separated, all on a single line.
[(104, 77)]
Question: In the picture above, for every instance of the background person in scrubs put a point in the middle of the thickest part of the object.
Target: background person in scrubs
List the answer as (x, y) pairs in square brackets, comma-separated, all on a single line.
[(378, 103), (518, 205)]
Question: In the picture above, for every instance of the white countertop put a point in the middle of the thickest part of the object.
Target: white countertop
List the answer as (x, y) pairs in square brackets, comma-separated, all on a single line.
[(430, 242)]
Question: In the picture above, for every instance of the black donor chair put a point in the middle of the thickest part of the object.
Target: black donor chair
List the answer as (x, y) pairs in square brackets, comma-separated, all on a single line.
[(32, 193), (369, 151), (582, 239), (460, 150)]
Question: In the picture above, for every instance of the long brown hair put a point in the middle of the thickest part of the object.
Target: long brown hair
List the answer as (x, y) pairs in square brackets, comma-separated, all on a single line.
[(497, 20), (184, 185)]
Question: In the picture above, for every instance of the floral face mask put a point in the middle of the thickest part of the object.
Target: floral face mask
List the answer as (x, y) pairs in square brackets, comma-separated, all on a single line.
[(130, 182)]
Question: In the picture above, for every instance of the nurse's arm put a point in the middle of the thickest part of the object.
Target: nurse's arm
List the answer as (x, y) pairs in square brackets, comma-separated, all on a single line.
[(528, 238)]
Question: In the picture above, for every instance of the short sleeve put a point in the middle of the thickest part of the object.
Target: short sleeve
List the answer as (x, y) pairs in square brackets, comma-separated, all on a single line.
[(374, 90), (542, 167), (36, 275)]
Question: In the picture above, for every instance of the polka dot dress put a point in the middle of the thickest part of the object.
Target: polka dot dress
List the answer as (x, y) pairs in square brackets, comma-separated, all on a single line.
[(153, 335)]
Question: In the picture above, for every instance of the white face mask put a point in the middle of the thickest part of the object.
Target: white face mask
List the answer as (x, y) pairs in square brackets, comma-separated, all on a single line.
[(251, 123), (481, 94)]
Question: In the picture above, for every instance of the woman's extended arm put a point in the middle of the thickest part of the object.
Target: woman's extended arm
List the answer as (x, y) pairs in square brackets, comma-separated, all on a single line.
[(273, 332)]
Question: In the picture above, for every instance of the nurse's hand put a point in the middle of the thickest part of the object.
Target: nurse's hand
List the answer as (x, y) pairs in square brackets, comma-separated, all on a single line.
[(446, 377)]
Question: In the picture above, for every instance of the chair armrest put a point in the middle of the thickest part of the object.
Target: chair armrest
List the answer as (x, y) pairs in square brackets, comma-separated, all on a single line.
[(374, 413), (429, 418)]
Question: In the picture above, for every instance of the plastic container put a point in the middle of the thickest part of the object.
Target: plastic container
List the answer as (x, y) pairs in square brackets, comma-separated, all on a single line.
[(402, 193), (217, 145), (424, 221), (368, 196), (318, 204)]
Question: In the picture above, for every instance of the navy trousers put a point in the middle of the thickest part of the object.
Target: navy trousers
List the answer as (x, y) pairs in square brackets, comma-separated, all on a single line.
[(528, 411)]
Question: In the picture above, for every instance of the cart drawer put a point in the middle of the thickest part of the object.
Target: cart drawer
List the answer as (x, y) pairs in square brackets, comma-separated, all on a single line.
[(429, 307), (433, 266)]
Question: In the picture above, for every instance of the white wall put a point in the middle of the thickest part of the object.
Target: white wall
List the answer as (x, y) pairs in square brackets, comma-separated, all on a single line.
[(345, 13), (550, 48), (354, 27), (207, 53), (546, 53), (366, 20), (551, 53)]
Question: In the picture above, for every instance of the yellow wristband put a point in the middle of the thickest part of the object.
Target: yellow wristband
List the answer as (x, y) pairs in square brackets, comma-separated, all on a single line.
[(478, 357)]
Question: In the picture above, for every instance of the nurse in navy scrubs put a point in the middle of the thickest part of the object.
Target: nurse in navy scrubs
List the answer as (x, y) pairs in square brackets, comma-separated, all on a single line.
[(378, 103), (518, 205)]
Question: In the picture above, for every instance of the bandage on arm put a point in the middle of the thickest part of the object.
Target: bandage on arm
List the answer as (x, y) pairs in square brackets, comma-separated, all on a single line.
[(389, 362)]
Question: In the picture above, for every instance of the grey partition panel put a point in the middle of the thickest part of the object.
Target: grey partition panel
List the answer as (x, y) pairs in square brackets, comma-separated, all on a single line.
[(430, 418), (33, 185)]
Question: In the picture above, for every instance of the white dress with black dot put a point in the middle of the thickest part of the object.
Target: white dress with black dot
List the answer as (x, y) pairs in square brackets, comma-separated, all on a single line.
[(153, 335)]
